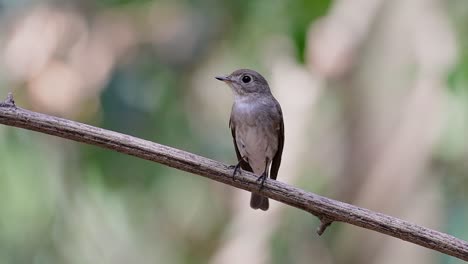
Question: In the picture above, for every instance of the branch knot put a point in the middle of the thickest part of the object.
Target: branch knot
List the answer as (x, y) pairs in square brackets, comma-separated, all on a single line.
[(9, 102), (324, 223)]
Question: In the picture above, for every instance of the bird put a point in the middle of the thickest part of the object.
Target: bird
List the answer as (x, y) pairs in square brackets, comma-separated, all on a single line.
[(257, 128)]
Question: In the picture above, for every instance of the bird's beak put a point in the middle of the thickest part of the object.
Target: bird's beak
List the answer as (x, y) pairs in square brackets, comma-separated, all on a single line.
[(224, 78)]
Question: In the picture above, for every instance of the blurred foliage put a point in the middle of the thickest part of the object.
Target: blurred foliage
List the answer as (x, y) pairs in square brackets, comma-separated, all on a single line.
[(64, 202), (304, 12), (42, 192)]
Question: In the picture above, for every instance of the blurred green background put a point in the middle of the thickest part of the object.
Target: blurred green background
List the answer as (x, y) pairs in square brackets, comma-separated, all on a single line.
[(375, 101)]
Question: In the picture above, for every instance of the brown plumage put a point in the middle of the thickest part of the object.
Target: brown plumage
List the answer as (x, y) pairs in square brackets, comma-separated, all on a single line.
[(257, 128)]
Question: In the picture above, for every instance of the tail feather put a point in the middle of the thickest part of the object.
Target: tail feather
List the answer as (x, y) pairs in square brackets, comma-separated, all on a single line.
[(259, 202)]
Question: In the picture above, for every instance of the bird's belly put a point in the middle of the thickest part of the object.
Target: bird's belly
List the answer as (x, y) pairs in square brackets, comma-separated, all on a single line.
[(255, 144)]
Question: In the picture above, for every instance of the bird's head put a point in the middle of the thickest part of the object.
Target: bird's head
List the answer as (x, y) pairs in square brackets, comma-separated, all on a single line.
[(246, 82)]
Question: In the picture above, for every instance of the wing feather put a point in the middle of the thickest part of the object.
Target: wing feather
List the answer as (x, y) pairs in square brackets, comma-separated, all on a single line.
[(243, 164), (275, 164)]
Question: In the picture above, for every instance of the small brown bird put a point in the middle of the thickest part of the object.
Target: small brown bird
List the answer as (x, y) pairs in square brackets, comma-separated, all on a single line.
[(257, 128)]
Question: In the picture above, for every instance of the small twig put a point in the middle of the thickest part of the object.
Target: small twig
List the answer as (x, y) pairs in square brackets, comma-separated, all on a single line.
[(9, 102), (315, 204), (324, 223)]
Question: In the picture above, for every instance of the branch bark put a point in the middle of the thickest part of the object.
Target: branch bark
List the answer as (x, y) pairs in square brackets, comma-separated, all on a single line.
[(327, 210)]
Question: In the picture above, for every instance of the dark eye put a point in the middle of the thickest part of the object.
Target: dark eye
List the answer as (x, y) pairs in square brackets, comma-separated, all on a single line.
[(246, 79)]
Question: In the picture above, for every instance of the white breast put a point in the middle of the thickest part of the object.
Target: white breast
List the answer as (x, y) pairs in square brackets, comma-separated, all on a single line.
[(252, 138)]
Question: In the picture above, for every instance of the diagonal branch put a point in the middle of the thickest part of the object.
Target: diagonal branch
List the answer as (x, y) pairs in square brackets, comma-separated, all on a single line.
[(327, 210)]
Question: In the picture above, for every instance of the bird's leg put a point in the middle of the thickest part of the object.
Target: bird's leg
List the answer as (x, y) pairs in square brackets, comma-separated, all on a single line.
[(236, 167), (264, 175)]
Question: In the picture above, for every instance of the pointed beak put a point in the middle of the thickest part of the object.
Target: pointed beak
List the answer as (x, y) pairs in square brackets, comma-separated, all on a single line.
[(223, 78)]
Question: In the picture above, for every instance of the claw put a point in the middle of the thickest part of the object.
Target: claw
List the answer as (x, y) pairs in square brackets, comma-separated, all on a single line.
[(236, 169), (262, 178)]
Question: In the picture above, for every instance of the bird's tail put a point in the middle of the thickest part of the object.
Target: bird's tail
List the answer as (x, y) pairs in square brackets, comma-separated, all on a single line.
[(259, 202)]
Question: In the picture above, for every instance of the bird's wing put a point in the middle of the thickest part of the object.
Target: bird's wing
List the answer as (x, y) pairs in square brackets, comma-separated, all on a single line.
[(243, 164), (277, 158)]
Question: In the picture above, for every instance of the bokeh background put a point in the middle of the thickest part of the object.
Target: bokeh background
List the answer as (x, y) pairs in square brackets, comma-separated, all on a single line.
[(375, 101)]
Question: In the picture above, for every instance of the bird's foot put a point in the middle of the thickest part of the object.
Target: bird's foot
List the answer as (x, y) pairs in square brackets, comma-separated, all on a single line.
[(262, 179), (236, 169)]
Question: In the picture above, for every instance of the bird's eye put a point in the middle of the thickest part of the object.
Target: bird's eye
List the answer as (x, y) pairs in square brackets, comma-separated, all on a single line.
[(246, 79)]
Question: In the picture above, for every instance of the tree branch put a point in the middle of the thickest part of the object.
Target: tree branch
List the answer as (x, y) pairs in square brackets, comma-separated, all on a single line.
[(327, 210)]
